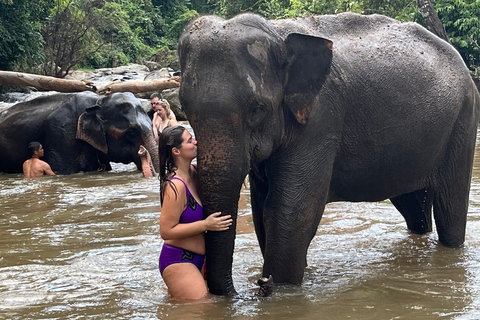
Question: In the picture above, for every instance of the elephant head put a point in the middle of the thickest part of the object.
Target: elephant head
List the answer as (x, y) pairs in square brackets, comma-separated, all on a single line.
[(117, 126), (244, 89)]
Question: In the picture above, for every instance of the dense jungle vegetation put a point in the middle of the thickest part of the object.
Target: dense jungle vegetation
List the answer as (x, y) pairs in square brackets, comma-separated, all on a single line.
[(52, 37)]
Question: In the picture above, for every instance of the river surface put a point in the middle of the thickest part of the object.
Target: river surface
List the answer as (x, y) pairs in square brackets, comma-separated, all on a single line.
[(86, 246)]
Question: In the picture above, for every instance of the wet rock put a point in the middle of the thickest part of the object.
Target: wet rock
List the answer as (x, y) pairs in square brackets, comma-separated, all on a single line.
[(11, 97), (159, 74), (80, 75), (131, 72), (123, 70), (172, 97), (152, 65)]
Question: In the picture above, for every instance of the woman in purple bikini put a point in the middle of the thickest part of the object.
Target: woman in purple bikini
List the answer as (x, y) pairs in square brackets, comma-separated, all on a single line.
[(182, 225)]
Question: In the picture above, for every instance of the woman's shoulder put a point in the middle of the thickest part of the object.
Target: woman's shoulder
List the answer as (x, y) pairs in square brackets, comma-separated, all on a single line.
[(175, 186), (178, 182)]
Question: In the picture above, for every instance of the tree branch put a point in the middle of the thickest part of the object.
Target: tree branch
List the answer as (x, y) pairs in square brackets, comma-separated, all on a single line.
[(433, 22)]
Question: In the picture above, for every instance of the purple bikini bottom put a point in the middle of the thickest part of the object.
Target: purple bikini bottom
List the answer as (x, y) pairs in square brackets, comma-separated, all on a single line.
[(171, 255)]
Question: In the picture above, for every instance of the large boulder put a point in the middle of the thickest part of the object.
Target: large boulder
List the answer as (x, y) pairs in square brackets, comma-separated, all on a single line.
[(172, 97)]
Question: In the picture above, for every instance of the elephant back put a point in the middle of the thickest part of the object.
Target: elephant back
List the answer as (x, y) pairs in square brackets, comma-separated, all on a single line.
[(23, 123)]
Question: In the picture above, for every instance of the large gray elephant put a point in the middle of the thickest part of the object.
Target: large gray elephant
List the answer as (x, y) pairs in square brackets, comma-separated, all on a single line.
[(322, 109), (79, 132)]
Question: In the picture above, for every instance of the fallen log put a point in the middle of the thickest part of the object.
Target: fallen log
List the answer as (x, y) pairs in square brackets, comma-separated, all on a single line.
[(44, 82), (64, 85), (139, 86)]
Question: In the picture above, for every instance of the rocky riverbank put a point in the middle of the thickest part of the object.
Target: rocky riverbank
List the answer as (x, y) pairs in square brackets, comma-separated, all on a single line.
[(132, 72)]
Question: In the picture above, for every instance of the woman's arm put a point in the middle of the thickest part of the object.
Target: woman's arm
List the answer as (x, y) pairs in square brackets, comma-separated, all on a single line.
[(155, 127), (172, 122), (172, 208), (172, 116)]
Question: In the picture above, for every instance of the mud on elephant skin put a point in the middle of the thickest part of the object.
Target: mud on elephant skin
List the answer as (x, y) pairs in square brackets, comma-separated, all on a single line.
[(79, 132), (321, 109)]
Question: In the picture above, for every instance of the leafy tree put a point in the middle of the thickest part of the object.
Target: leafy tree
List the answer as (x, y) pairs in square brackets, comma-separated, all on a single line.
[(129, 29), (71, 35), (461, 19), (229, 8), (102, 33), (177, 14), (20, 33)]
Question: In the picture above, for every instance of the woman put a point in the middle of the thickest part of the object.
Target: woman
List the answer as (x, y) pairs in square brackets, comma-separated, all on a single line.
[(162, 118), (182, 225)]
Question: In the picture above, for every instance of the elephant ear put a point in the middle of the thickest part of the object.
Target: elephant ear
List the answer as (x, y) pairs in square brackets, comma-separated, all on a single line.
[(90, 129), (309, 60)]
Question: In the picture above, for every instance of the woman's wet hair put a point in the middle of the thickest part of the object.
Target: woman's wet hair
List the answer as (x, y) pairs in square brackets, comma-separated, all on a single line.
[(164, 103), (170, 138), (33, 146)]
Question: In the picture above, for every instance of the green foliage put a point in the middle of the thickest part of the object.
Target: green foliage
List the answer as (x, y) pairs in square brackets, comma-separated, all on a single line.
[(229, 8), (118, 32), (20, 33), (177, 14), (461, 19), (70, 35), (405, 10)]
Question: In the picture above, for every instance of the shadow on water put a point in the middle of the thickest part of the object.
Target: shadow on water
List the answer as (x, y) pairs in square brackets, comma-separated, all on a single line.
[(87, 246)]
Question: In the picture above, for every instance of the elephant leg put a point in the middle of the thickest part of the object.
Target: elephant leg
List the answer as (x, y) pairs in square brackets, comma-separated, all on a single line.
[(258, 193), (292, 212), (450, 203), (450, 207), (416, 208), (287, 242)]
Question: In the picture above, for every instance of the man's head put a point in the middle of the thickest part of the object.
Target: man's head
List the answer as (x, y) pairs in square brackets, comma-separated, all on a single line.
[(35, 149), (154, 98)]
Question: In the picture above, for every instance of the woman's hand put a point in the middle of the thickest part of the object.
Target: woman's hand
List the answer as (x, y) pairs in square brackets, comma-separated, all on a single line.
[(216, 223)]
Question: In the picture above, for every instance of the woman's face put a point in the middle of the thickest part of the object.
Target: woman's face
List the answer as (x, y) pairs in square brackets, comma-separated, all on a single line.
[(189, 146), (161, 111)]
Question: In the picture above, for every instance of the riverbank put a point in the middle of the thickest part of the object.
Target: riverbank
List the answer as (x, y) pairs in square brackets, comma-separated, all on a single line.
[(132, 72)]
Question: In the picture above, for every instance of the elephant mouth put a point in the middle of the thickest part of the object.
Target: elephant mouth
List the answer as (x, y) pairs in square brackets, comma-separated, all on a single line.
[(147, 165)]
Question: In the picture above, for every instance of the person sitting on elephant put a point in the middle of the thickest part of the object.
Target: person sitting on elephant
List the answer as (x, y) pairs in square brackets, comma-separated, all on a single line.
[(182, 225), (34, 167), (162, 118)]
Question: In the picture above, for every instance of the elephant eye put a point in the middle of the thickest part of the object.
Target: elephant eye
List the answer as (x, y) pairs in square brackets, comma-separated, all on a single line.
[(256, 112), (131, 134), (254, 109)]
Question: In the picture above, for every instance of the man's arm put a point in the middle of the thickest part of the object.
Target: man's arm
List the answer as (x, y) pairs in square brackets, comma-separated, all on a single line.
[(47, 170)]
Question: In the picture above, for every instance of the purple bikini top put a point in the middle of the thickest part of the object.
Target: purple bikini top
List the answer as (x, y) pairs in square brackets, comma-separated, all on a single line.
[(194, 211)]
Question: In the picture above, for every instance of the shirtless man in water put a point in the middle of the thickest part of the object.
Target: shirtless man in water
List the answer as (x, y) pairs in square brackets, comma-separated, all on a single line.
[(34, 167)]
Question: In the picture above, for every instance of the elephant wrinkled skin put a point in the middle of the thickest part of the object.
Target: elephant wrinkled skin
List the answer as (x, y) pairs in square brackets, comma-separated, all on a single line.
[(321, 109), (79, 132)]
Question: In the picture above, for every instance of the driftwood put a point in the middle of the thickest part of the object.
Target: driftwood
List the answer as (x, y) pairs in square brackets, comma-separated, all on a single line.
[(139, 86), (64, 85)]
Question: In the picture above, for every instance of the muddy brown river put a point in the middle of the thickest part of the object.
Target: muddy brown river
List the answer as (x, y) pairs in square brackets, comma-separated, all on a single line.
[(86, 246)]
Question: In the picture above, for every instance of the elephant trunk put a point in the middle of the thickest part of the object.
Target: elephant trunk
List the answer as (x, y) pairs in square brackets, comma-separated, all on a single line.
[(220, 245), (147, 165), (151, 146), (221, 175)]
